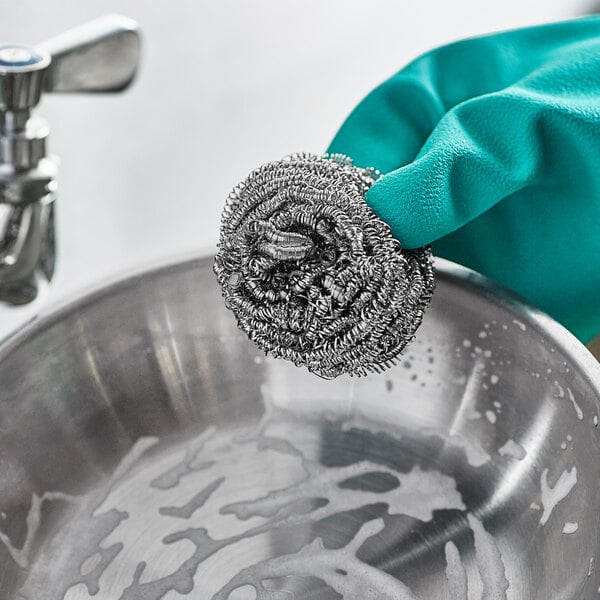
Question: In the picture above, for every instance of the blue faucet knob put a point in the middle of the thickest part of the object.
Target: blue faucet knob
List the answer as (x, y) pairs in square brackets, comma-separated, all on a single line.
[(18, 57)]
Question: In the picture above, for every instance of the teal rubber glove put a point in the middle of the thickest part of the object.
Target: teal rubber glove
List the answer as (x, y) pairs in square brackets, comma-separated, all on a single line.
[(490, 149)]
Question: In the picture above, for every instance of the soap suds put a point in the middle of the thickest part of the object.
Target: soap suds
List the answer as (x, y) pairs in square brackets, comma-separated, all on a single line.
[(189, 463), (490, 415), (195, 489), (198, 501), (419, 494), (570, 528), (339, 568), (455, 574), (512, 449), (552, 496), (22, 555), (520, 325), (475, 452), (489, 562), (90, 563), (575, 405)]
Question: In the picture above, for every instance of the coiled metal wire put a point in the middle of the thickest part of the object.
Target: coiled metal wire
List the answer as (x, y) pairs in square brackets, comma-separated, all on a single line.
[(312, 274)]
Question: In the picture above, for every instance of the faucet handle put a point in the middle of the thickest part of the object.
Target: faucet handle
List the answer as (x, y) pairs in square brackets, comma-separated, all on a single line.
[(99, 56), (22, 70)]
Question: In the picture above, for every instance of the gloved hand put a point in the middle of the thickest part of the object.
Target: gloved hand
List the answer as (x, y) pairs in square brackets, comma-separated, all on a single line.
[(491, 150)]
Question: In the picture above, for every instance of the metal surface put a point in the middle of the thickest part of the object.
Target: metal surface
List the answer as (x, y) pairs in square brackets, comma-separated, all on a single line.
[(99, 56), (594, 347), (148, 450), (312, 274)]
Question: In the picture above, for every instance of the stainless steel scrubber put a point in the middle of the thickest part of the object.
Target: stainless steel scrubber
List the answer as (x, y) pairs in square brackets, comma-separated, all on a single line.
[(312, 274)]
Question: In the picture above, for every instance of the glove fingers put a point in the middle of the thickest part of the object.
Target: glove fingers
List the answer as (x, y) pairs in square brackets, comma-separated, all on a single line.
[(389, 127), (481, 152), (489, 147)]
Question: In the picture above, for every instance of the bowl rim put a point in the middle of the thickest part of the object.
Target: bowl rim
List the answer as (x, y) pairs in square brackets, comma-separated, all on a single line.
[(531, 316)]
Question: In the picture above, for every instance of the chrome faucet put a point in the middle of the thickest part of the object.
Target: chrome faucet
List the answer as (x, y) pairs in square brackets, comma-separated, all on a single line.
[(100, 56)]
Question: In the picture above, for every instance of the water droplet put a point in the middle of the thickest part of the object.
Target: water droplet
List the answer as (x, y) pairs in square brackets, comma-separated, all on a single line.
[(520, 325), (490, 415), (570, 528)]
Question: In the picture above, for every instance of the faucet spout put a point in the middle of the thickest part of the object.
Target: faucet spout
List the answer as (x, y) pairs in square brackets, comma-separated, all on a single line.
[(27, 241), (100, 56)]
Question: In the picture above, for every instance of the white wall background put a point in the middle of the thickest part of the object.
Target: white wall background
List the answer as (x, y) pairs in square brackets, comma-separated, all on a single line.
[(224, 86)]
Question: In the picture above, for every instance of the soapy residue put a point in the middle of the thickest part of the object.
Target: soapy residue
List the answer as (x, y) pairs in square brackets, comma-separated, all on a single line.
[(570, 528), (339, 568), (22, 555), (149, 534), (418, 495), (476, 454), (490, 415), (489, 562), (458, 588), (576, 406), (520, 325), (512, 449), (551, 496)]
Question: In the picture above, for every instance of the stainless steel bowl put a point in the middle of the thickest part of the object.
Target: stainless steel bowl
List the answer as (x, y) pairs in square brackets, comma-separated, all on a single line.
[(148, 450)]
